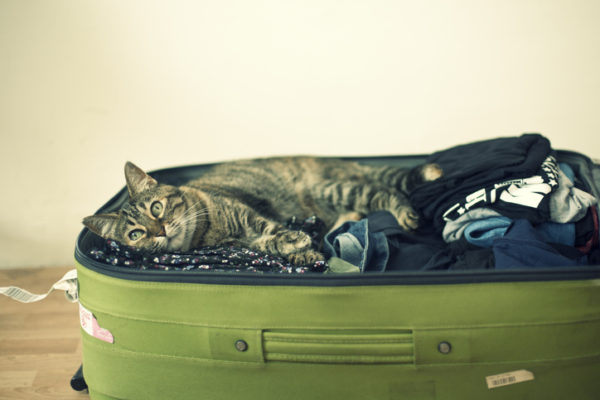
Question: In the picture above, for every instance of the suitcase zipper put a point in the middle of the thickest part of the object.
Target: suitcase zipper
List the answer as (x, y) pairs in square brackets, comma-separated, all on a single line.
[(445, 277)]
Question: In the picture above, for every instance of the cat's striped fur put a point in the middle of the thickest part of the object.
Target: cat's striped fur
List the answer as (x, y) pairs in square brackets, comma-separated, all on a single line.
[(246, 203)]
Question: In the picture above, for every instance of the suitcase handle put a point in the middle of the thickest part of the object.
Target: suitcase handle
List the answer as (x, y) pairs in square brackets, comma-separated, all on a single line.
[(347, 347)]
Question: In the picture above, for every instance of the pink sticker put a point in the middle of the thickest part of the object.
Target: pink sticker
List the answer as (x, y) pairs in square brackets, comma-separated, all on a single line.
[(90, 325)]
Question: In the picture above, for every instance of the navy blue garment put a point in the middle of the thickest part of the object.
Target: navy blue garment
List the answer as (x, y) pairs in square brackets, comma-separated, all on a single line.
[(476, 168), (425, 249), (407, 251), (353, 242), (523, 247)]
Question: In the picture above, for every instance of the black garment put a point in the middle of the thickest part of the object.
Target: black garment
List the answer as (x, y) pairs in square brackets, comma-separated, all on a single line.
[(208, 259), (586, 231), (594, 257), (471, 168)]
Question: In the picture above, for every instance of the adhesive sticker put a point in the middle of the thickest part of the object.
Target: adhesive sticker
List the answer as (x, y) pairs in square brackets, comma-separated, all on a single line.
[(90, 325), (509, 378)]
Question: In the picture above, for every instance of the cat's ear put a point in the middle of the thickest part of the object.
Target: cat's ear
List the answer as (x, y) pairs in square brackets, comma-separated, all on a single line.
[(101, 224), (137, 180)]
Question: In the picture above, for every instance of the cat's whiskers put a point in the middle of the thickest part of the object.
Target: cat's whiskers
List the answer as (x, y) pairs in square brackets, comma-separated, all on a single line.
[(190, 211), (187, 216), (184, 221), (191, 208), (181, 228)]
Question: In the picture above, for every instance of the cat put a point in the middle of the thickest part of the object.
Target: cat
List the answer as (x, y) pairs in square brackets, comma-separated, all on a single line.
[(245, 203)]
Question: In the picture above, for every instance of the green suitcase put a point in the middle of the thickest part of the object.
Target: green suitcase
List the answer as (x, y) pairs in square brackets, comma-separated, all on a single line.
[(477, 334)]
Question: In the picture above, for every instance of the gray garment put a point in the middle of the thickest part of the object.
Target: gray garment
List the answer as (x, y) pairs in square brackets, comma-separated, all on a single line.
[(453, 230), (339, 266), (567, 203)]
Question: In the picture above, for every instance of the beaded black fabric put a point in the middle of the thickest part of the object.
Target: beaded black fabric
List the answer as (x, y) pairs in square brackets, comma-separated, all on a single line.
[(212, 259)]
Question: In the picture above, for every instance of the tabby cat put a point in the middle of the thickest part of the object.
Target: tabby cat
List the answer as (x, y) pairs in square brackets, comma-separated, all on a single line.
[(246, 203)]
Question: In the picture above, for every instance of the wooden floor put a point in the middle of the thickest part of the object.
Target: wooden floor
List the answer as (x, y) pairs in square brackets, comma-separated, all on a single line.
[(40, 345)]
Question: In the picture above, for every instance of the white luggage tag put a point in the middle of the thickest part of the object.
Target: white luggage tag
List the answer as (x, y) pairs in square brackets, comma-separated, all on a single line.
[(68, 283)]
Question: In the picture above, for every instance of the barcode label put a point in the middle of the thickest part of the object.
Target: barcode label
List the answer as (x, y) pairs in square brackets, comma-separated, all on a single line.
[(504, 381), (68, 283), (21, 295), (508, 378)]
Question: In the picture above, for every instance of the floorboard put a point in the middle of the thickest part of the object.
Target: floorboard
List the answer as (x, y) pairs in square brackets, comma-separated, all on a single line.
[(40, 344)]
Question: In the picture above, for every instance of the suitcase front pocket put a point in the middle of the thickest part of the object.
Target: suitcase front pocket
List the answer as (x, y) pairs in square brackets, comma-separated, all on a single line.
[(340, 347)]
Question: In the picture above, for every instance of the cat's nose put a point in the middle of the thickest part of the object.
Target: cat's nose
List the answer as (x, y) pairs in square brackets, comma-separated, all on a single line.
[(162, 231)]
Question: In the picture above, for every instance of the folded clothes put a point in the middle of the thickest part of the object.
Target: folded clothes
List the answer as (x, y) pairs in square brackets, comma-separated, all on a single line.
[(483, 232), (567, 205), (454, 230), (512, 175)]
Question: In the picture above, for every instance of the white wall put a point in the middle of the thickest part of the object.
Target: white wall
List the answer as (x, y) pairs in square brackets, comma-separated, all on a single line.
[(86, 85)]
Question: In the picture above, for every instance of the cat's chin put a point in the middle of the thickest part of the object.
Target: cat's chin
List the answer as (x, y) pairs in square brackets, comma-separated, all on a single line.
[(176, 241)]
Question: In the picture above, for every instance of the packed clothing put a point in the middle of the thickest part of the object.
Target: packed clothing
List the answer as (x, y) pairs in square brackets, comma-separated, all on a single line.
[(504, 203)]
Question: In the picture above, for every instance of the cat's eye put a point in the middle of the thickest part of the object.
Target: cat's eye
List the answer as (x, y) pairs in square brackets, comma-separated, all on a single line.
[(136, 234), (156, 209)]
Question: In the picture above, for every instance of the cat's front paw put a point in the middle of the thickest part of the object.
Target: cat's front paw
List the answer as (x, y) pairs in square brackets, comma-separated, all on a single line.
[(408, 219), (305, 257), (295, 246), (288, 242)]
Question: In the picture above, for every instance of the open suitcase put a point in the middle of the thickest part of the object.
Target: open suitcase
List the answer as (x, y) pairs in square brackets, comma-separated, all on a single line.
[(450, 334)]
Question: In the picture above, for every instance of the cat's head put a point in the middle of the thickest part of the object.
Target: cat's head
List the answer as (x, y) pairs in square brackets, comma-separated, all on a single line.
[(156, 218)]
